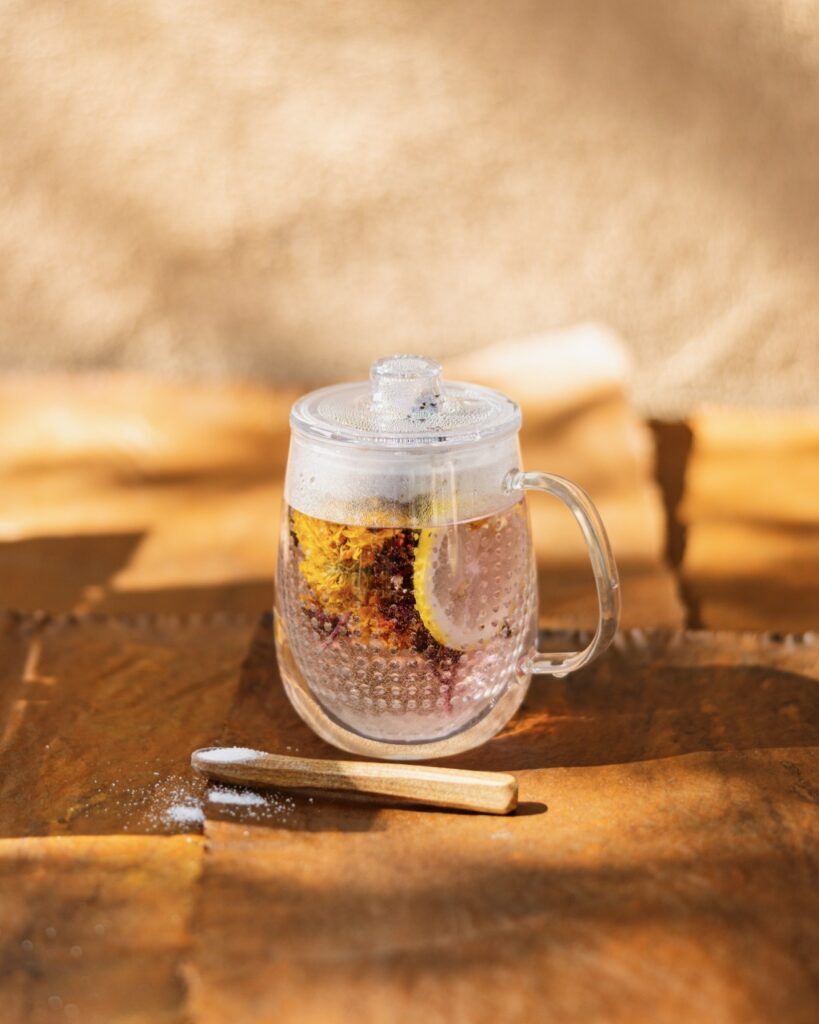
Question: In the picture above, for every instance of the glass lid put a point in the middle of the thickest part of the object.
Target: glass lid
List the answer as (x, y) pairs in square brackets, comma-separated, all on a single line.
[(405, 404)]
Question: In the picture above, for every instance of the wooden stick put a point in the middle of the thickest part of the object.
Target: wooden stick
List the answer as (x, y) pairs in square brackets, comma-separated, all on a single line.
[(487, 792)]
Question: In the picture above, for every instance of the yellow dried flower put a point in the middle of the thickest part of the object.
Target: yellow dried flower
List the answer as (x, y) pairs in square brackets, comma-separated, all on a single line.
[(335, 561)]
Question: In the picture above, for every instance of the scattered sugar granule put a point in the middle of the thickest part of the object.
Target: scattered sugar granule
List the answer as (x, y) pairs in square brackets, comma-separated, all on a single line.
[(250, 805), (236, 797), (220, 755), (184, 814)]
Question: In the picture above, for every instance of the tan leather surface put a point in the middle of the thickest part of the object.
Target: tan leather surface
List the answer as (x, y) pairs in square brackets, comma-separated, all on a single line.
[(751, 511), (661, 865), (166, 485), (667, 891), (106, 713), (126, 494), (94, 928)]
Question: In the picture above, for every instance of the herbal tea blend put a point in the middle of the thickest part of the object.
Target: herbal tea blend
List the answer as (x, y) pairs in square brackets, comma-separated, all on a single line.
[(408, 633), (406, 604)]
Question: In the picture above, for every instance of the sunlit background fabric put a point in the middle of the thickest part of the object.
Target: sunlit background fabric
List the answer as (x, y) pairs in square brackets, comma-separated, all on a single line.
[(283, 191)]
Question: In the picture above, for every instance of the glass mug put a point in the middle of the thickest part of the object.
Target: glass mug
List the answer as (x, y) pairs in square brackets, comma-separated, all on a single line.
[(406, 597)]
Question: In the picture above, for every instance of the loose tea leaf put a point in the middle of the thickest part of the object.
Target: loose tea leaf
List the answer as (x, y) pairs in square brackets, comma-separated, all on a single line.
[(405, 631)]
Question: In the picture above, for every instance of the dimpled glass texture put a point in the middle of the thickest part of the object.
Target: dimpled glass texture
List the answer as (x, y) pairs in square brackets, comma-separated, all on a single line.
[(405, 636), (405, 600)]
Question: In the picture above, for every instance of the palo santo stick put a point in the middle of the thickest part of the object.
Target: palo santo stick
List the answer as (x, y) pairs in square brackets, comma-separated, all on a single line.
[(487, 792)]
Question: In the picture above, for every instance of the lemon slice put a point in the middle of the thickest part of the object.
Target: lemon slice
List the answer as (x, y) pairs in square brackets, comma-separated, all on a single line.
[(470, 579)]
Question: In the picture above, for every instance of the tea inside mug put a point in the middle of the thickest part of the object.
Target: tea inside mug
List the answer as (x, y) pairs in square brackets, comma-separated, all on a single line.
[(406, 599), (407, 634)]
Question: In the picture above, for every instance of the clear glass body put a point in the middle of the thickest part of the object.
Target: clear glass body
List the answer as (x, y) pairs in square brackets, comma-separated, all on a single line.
[(405, 641), (406, 597)]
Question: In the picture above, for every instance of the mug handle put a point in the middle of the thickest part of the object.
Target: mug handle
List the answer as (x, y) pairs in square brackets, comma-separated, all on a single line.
[(604, 567)]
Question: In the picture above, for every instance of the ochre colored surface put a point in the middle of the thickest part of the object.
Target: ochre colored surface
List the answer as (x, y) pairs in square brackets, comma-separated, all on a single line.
[(115, 487), (652, 695), (124, 494), (94, 928), (751, 511), (661, 866), (95, 741), (671, 890)]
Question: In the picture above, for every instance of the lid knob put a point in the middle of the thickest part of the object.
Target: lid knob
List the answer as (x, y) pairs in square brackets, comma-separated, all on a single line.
[(405, 387)]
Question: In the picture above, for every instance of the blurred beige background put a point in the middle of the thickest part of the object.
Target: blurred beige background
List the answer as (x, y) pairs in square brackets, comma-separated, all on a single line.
[(284, 190)]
